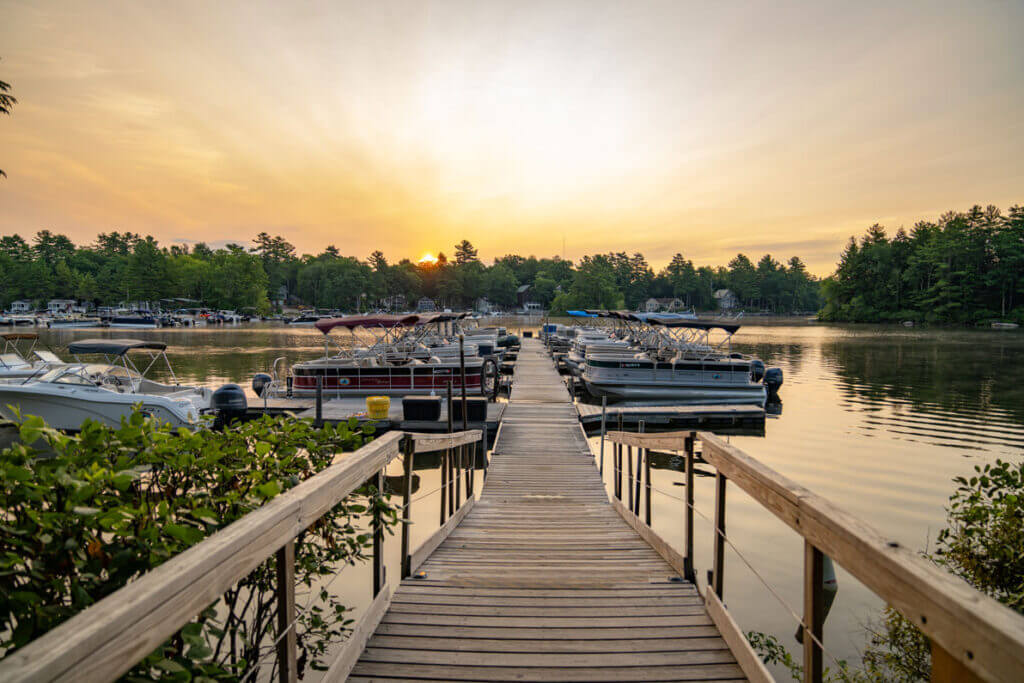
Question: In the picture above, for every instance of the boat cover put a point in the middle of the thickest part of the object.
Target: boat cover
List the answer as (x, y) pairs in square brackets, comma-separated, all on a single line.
[(353, 321), (117, 347), (582, 314)]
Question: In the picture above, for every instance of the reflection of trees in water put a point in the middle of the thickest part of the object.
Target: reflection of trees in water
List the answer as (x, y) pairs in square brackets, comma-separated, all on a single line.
[(959, 377), (789, 356)]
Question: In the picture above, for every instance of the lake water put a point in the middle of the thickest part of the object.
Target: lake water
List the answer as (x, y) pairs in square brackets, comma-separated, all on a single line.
[(877, 419)]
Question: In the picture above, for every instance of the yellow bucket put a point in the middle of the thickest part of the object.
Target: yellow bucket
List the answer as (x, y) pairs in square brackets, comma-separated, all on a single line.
[(378, 407)]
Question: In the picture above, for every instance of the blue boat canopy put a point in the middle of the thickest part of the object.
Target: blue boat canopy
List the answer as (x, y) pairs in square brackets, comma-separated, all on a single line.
[(582, 314), (116, 347)]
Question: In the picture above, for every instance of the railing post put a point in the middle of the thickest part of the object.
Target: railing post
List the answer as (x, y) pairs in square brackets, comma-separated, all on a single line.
[(814, 612), (690, 573), (647, 479), (449, 460), (286, 648), (378, 538), (621, 449), (629, 478), (719, 566), (409, 451), (639, 472), (604, 428)]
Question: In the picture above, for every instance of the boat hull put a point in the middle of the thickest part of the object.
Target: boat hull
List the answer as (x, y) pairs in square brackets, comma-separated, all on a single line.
[(741, 394), (423, 379), (67, 408)]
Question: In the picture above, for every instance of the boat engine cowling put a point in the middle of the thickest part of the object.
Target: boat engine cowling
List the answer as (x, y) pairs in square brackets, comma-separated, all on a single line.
[(757, 369), (773, 380), (260, 382), (229, 403)]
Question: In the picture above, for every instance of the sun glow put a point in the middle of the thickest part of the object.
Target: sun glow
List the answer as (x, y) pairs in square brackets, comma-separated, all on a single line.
[(429, 259)]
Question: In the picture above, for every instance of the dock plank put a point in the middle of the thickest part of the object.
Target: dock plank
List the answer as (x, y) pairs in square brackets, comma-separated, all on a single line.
[(543, 580)]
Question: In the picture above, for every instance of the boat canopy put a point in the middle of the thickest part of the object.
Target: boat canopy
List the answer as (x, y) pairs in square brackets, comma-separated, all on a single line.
[(582, 314), (14, 336), (117, 347), (668, 320), (388, 321)]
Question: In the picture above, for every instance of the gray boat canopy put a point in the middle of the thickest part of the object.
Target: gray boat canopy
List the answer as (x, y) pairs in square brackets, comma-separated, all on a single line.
[(116, 347), (667, 320)]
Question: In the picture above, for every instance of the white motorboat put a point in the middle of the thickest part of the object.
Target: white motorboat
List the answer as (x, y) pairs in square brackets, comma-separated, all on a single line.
[(17, 363), (67, 395)]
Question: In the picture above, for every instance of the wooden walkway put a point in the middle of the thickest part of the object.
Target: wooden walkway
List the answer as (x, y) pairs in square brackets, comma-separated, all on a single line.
[(543, 580)]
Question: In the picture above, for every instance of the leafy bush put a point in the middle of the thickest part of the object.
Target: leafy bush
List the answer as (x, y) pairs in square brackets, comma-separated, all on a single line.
[(107, 505)]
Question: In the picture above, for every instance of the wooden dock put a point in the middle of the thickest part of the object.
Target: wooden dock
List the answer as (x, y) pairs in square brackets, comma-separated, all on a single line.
[(543, 580), (341, 409), (724, 419)]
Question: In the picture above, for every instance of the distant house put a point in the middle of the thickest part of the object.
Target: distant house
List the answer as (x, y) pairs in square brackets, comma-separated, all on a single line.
[(726, 299), (482, 305), (425, 305), (525, 301), (22, 306), (669, 305), (60, 306)]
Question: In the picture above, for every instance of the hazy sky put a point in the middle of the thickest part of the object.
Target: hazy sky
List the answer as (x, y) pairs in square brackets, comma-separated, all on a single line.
[(706, 127)]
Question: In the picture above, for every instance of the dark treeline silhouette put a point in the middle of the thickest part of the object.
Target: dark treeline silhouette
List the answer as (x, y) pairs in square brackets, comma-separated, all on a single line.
[(963, 269), (127, 267)]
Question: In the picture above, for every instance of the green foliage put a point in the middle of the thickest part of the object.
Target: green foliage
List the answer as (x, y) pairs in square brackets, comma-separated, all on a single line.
[(965, 268), (107, 505), (984, 542)]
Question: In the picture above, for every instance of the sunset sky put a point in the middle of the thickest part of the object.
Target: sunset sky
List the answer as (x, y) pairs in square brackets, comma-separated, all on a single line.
[(706, 127)]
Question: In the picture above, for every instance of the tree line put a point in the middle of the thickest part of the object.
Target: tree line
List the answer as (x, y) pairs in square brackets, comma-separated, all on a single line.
[(965, 268), (126, 267)]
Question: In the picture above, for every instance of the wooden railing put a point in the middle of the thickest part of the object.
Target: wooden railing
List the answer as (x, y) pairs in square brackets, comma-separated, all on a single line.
[(108, 638), (973, 637)]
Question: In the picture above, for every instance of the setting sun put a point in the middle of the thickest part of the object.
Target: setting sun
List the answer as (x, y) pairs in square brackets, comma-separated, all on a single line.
[(428, 258)]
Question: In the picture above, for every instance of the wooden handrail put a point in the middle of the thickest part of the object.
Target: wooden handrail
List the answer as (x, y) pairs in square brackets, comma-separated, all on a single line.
[(426, 443), (105, 640), (983, 635)]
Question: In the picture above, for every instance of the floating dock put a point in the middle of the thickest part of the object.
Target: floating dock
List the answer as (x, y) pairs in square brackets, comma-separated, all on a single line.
[(725, 419)]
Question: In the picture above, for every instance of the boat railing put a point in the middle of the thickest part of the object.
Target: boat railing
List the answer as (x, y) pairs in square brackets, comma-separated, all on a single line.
[(973, 637), (107, 639)]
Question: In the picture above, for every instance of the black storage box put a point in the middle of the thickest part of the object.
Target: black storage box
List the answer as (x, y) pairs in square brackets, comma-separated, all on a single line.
[(477, 409), (421, 408), (528, 334)]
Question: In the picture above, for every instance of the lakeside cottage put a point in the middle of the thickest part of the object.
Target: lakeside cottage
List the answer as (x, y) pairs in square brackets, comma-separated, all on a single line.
[(525, 301), (663, 305), (22, 306), (726, 299), (61, 306)]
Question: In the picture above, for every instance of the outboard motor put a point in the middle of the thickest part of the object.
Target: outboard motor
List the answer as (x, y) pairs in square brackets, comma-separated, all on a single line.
[(756, 369), (228, 403), (773, 380), (485, 349), (260, 382)]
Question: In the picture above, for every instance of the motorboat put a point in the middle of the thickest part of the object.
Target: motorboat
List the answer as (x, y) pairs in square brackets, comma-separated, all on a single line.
[(394, 364), (67, 395), (678, 360), (73, 322), (18, 363), (135, 322)]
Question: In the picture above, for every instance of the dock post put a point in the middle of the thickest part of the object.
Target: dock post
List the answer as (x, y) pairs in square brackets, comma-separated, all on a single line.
[(483, 448), (286, 653), (719, 566), (814, 611), (690, 574), (409, 451), (461, 458), (604, 428), (319, 421), (378, 538)]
